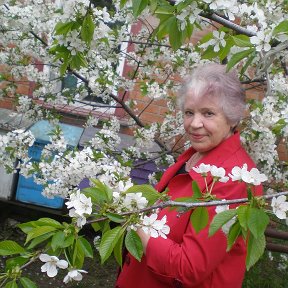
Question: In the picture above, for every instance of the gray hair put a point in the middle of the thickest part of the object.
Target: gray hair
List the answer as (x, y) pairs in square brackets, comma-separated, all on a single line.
[(214, 81)]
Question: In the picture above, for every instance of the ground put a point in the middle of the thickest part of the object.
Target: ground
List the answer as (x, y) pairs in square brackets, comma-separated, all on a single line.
[(265, 274), (97, 276)]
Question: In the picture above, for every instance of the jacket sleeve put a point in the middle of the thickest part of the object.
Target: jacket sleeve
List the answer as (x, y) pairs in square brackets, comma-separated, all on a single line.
[(198, 255)]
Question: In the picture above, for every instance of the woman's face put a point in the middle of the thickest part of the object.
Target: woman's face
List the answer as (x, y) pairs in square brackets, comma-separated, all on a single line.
[(205, 123)]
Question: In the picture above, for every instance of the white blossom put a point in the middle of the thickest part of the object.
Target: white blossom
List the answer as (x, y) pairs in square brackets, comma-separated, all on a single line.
[(219, 174), (251, 177), (134, 201), (237, 172), (74, 275), (254, 177), (52, 264), (203, 169), (217, 41), (81, 203), (261, 41), (280, 206), (154, 227)]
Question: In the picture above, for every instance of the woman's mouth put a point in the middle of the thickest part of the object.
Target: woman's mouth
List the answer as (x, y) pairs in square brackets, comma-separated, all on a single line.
[(197, 137)]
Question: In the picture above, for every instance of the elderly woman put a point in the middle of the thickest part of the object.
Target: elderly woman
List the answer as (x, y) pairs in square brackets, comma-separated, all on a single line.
[(213, 103)]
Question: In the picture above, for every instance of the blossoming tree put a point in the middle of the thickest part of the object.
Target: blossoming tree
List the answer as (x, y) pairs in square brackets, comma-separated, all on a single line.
[(89, 41)]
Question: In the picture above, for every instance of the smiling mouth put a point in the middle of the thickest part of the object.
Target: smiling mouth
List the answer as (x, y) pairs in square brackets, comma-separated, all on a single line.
[(197, 136)]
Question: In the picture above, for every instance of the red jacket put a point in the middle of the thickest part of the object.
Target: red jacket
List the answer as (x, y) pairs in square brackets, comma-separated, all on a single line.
[(186, 259)]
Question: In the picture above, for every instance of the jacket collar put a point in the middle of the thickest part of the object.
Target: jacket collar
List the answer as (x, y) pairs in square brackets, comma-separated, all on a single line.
[(216, 157)]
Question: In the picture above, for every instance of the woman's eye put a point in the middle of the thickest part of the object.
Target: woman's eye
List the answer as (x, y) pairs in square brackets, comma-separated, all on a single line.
[(209, 113), (188, 113)]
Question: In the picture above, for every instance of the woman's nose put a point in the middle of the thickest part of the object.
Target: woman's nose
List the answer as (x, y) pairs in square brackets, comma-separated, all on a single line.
[(196, 121)]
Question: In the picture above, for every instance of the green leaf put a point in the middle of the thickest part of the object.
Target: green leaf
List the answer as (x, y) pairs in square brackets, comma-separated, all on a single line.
[(78, 61), (175, 35), (17, 261), (108, 242), (257, 222), (96, 226), (196, 190), (102, 187), (26, 227), (282, 27), (27, 283), (87, 29), (134, 245), (225, 50), (118, 250), (242, 40), (248, 62), (220, 219), (11, 284), (187, 33), (9, 247), (243, 215), (147, 191), (255, 249), (164, 8), (199, 218), (64, 66), (39, 240), (115, 217), (39, 231), (206, 37), (209, 53), (78, 255), (48, 222), (163, 28), (103, 226), (98, 196), (234, 232), (68, 241), (63, 28), (122, 3), (58, 240), (86, 247), (138, 6), (237, 57)]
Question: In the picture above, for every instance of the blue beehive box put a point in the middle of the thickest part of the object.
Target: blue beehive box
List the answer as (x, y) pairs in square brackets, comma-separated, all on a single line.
[(27, 190)]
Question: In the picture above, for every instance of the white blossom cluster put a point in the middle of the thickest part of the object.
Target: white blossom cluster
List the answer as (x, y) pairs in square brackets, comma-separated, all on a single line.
[(253, 176), (58, 144), (53, 263), (230, 8), (280, 206), (13, 146), (66, 171), (172, 126), (269, 123), (79, 207), (144, 137), (154, 227)]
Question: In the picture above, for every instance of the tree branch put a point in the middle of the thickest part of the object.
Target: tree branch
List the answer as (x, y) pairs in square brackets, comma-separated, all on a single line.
[(171, 203), (228, 24)]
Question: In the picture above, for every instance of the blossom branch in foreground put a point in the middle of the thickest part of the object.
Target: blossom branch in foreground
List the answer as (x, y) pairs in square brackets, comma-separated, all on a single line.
[(171, 203)]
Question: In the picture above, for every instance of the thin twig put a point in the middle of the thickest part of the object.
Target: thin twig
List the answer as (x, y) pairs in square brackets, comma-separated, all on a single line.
[(171, 203)]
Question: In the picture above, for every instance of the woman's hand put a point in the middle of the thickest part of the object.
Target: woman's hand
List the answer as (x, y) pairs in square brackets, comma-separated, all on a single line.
[(144, 238)]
